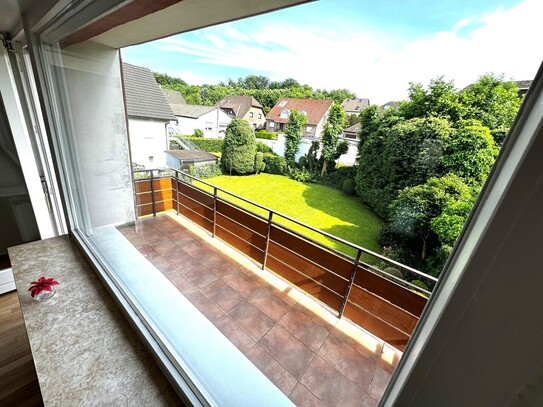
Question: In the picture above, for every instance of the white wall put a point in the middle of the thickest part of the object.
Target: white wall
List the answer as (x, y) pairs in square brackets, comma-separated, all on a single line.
[(216, 119), (148, 141)]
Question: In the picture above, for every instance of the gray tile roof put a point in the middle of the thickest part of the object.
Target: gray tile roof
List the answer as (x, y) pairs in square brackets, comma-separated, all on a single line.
[(173, 97), (193, 155), (240, 105), (355, 105), (192, 111), (143, 95)]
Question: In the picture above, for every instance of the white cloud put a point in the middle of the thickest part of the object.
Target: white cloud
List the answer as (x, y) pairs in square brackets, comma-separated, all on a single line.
[(376, 65)]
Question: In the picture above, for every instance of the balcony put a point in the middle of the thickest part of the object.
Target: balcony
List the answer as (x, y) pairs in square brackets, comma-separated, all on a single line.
[(279, 296)]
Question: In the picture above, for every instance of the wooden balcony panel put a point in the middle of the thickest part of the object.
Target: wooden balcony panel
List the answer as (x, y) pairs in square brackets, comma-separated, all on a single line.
[(158, 184), (252, 222), (240, 244)]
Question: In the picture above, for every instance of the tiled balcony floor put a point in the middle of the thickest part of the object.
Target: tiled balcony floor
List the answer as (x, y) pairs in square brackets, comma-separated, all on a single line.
[(314, 358)]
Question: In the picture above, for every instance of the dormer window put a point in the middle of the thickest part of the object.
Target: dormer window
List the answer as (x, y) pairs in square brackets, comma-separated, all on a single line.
[(285, 113), (282, 103), (303, 112)]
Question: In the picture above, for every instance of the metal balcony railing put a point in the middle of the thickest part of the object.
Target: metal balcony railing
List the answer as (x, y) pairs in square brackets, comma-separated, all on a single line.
[(350, 280)]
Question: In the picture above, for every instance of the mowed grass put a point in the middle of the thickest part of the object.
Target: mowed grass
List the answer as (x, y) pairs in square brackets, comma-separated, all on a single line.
[(322, 207)]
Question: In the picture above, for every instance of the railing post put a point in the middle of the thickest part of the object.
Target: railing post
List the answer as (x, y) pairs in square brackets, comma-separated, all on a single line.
[(270, 216), (153, 193), (177, 192), (351, 281), (214, 211)]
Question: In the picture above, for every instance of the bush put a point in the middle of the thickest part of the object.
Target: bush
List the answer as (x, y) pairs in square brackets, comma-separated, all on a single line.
[(420, 284), (198, 133), (300, 175), (239, 148), (266, 135), (393, 271), (263, 148), (259, 162), (336, 179), (205, 171), (211, 145), (275, 164), (348, 187)]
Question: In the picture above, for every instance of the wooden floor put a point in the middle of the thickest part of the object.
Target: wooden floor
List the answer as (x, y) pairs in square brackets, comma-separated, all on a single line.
[(18, 381)]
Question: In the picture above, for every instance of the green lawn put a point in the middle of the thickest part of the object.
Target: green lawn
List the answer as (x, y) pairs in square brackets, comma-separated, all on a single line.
[(322, 207)]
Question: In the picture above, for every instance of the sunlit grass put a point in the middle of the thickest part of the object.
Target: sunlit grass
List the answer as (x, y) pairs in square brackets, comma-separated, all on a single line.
[(319, 206)]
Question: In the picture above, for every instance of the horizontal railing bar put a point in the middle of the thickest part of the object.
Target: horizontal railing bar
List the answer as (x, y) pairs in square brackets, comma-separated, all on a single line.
[(397, 280), (305, 275), (310, 261), (383, 300), (379, 318), (195, 201), (243, 240), (196, 213), (155, 191), (241, 208), (241, 224)]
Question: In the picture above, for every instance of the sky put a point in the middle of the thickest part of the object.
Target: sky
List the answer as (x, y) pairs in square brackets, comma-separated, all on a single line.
[(373, 48)]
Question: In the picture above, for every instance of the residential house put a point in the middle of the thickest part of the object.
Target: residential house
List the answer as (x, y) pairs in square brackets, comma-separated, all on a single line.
[(352, 132), (316, 112), (246, 108), (210, 119), (481, 328), (389, 105), (148, 115), (183, 159), (523, 87), (173, 97), (355, 106)]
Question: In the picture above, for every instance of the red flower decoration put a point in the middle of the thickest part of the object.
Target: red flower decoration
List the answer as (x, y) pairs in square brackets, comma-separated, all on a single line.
[(43, 284)]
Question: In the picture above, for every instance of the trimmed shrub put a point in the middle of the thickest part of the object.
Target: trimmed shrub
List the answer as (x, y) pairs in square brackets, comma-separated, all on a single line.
[(275, 164), (205, 171), (336, 178), (394, 272), (420, 284), (348, 187), (198, 133), (259, 162), (238, 148), (211, 145), (263, 148), (266, 135), (300, 175)]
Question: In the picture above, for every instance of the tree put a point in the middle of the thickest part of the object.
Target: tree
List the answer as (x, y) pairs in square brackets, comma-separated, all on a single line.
[(293, 135), (413, 212), (471, 153), (239, 148), (331, 131)]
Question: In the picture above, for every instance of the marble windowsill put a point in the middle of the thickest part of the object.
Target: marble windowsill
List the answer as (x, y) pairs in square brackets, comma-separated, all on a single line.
[(84, 350)]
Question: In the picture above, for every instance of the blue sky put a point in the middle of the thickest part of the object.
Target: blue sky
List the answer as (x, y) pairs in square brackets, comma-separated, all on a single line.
[(372, 47)]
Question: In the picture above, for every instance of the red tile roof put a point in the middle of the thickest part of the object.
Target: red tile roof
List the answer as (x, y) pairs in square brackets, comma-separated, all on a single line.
[(315, 109)]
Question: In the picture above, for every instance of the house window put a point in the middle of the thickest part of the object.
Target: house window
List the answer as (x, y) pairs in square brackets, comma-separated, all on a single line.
[(209, 126), (151, 158), (282, 103), (272, 124), (285, 113), (309, 129), (251, 114), (260, 115), (303, 112)]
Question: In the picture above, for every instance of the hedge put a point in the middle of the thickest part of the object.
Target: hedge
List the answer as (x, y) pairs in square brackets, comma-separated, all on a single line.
[(211, 145), (263, 134), (275, 164)]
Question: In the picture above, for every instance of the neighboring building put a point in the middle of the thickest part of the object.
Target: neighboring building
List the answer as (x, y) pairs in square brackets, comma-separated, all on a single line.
[(210, 119), (390, 104), (316, 112), (523, 87), (183, 159), (173, 97), (352, 132), (148, 114), (354, 106), (246, 108)]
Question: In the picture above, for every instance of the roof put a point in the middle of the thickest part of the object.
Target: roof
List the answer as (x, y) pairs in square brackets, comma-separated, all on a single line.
[(192, 111), (355, 105), (143, 95), (240, 105), (192, 155), (315, 109), (173, 97), (390, 104), (523, 84), (353, 129)]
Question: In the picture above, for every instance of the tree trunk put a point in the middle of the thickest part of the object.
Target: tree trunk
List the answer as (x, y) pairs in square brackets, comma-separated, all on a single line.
[(324, 165), (424, 247)]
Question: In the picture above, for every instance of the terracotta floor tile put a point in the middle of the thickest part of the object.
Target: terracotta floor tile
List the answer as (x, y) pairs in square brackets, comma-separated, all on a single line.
[(234, 333), (222, 294), (159, 262), (389, 358), (226, 267), (242, 283), (304, 398), (358, 339), (205, 305), (287, 350), (198, 275), (267, 300), (251, 319), (310, 331), (349, 362), (147, 251), (379, 383), (273, 370), (152, 235), (194, 247), (330, 386), (183, 285), (180, 259), (164, 246)]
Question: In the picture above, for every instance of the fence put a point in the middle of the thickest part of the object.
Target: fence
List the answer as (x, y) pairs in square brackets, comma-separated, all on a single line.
[(354, 287)]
